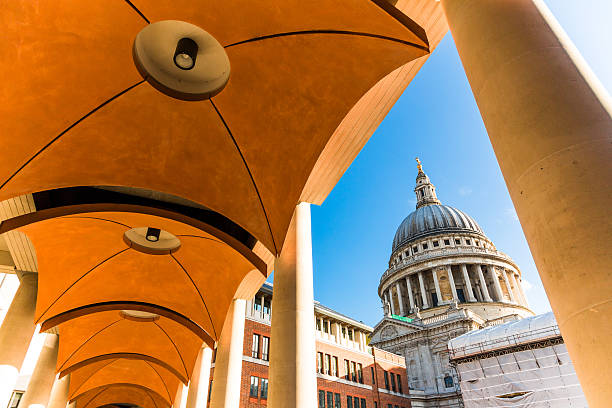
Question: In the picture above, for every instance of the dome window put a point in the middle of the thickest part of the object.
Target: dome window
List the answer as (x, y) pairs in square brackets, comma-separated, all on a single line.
[(457, 241), (424, 246), (415, 249), (436, 244), (468, 242), (447, 242)]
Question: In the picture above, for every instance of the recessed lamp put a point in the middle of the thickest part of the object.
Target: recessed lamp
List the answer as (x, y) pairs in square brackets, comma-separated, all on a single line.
[(185, 53), (153, 234)]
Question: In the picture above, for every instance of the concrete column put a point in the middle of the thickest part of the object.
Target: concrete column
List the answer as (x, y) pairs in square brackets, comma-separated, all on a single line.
[(519, 288), (399, 298), (392, 303), (197, 395), (387, 301), (423, 293), (228, 365), (263, 302), (483, 284), (451, 280), (59, 392), (496, 285), (337, 332), (507, 282), (549, 121), (437, 285), (410, 297), (468, 284), (40, 384), (293, 380), (16, 333)]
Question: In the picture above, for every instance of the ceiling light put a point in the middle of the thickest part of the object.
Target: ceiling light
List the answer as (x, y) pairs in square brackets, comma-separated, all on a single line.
[(185, 53)]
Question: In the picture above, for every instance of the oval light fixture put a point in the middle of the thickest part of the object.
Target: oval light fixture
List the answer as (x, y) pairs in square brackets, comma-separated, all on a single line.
[(181, 60), (152, 241)]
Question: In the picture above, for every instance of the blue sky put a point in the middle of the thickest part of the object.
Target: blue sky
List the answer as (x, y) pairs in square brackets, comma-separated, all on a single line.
[(436, 119)]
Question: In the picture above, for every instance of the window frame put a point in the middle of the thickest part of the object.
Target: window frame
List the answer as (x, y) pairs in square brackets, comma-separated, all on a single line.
[(256, 383), (255, 345), (263, 395), (265, 348)]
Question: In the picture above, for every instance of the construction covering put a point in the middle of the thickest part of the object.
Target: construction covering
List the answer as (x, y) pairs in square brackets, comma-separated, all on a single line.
[(518, 364)]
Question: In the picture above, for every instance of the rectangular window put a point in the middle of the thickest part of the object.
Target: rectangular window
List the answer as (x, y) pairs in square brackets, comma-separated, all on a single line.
[(267, 308), (257, 304), (447, 242), (360, 373), (386, 380), (375, 404), (334, 371), (255, 348), (325, 326), (353, 372), (392, 382), (373, 377), (351, 334), (321, 399), (327, 363), (15, 399), (425, 246), (461, 295), (389, 405), (399, 384), (436, 244), (415, 249), (330, 399), (319, 362), (264, 388), (347, 370), (338, 401), (363, 403), (254, 387), (434, 299), (265, 348), (457, 241), (344, 332), (349, 401), (318, 323), (467, 242)]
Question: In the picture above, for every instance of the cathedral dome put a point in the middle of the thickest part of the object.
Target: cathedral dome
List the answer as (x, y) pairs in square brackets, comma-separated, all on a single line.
[(432, 219)]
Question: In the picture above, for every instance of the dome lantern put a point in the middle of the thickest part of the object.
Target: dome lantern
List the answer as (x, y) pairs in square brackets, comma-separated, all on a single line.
[(425, 191)]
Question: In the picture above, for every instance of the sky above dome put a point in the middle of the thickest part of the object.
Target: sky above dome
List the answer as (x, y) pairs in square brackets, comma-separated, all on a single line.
[(437, 120)]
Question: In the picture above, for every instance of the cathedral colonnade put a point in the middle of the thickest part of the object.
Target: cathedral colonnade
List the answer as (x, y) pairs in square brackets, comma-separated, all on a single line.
[(550, 122)]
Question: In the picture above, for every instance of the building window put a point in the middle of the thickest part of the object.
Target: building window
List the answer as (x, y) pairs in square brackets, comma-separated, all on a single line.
[(255, 348), (389, 405), (434, 299), (353, 372), (457, 241), (321, 399), (319, 362), (254, 387), (15, 399), (264, 388), (467, 242), (350, 333), (436, 244), (360, 373), (363, 403), (209, 390), (349, 401), (347, 371), (373, 378), (424, 246), (399, 384), (338, 403), (265, 348), (257, 304), (326, 326), (447, 242), (327, 363), (392, 382), (375, 404), (330, 399), (267, 307), (344, 332), (334, 366), (460, 295), (386, 380), (415, 249), (318, 324), (448, 381)]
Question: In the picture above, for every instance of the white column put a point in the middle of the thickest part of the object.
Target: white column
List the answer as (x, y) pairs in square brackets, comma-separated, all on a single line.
[(16, 333), (262, 299), (410, 297), (197, 396), (180, 399), (293, 380), (337, 331), (59, 392), (423, 293), (437, 285), (40, 384), (519, 290), (399, 298), (451, 280), (483, 284), (392, 303), (468, 284), (228, 365), (386, 297), (507, 282), (496, 285)]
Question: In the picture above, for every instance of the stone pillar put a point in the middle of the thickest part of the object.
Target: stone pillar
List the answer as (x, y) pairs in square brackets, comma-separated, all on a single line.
[(263, 302), (549, 121), (197, 395), (40, 384), (59, 392), (451, 280), (468, 284), (483, 284), (337, 332), (293, 380), (410, 297), (16, 333), (519, 289), (496, 285), (434, 274), (507, 282), (228, 365), (399, 298), (391, 298), (423, 293)]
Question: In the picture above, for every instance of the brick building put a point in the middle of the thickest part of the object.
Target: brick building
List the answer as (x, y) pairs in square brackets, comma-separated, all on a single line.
[(350, 374)]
